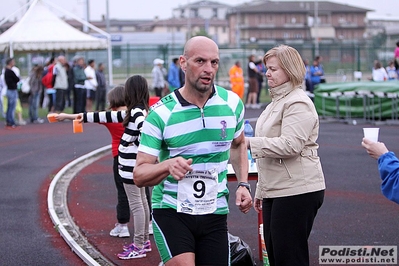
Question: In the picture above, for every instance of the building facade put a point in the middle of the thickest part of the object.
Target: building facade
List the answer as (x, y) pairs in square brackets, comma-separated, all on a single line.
[(269, 22)]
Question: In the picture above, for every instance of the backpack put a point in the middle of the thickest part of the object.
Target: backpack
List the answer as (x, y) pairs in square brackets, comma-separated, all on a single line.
[(48, 79)]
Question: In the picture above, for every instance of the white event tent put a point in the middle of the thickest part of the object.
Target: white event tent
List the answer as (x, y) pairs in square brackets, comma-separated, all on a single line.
[(41, 30)]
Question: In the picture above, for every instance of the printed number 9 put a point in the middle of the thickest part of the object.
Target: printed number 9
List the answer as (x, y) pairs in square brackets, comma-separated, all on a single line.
[(199, 186)]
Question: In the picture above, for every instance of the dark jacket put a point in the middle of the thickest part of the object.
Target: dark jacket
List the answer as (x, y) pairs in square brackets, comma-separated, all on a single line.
[(11, 79)]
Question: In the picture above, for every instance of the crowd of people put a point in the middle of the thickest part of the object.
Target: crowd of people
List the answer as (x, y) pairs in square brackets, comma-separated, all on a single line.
[(50, 86), (165, 147), (256, 71), (181, 147)]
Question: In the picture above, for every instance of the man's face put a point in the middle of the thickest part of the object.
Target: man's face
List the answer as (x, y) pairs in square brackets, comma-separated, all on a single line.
[(80, 62), (201, 66)]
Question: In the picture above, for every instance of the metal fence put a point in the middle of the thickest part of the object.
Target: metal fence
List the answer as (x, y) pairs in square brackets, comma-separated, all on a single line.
[(339, 60)]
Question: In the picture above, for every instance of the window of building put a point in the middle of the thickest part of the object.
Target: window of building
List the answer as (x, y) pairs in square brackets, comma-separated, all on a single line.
[(298, 36), (215, 13), (194, 12)]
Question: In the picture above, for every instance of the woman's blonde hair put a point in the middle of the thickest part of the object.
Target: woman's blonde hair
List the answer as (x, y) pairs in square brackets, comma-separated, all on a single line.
[(290, 61)]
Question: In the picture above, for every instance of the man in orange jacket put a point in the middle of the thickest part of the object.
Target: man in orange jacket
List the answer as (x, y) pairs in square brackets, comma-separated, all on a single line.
[(237, 79)]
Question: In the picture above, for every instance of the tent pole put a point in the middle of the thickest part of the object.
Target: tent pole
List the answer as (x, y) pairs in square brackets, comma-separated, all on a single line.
[(110, 75), (11, 51), (86, 23)]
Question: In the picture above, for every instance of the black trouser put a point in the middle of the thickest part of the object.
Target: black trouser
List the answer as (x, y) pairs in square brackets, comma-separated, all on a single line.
[(148, 195), (59, 100), (79, 100), (287, 222), (101, 95), (122, 208), (158, 92)]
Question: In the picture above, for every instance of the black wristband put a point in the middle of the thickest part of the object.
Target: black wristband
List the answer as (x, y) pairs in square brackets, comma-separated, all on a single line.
[(244, 184)]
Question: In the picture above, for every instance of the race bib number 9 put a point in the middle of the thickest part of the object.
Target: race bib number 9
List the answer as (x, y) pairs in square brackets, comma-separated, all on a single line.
[(197, 192)]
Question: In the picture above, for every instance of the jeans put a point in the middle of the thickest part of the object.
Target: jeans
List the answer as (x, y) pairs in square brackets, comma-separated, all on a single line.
[(33, 105), (12, 96)]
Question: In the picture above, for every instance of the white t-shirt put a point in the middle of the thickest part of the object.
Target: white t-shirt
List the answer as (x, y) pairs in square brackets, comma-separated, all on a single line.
[(90, 84), (380, 74)]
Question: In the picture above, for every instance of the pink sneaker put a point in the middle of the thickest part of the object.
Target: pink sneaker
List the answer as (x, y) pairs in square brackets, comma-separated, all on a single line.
[(133, 253), (146, 246)]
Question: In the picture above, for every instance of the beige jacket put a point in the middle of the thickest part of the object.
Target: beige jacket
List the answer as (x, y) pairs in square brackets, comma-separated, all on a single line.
[(285, 145)]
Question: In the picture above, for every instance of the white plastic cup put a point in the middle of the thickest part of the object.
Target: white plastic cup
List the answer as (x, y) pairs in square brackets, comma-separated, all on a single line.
[(371, 133)]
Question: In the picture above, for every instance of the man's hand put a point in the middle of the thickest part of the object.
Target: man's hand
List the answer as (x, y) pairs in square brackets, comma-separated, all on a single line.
[(178, 167), (374, 149), (243, 199)]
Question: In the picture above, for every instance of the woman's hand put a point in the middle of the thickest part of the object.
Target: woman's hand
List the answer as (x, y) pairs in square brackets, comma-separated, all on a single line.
[(258, 205)]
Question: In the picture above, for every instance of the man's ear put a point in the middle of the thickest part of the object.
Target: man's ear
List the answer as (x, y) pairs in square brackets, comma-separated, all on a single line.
[(183, 63)]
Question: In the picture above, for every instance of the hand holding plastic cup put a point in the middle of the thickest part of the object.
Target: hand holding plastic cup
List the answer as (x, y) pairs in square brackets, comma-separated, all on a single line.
[(371, 133), (77, 126), (51, 118)]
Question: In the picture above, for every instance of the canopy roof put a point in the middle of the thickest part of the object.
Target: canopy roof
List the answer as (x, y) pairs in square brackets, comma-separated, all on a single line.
[(41, 30)]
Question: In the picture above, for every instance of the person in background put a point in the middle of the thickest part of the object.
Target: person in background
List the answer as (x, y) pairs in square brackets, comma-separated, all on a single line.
[(36, 89), (11, 80), (116, 99), (136, 96), (396, 56), (379, 73), (260, 77), (308, 75), (101, 92), (316, 72), (90, 84), (392, 71), (3, 89), (18, 108), (319, 60), (60, 83), (79, 96), (69, 70), (49, 97), (237, 79), (158, 81), (181, 76), (388, 166), (253, 86), (174, 146), (173, 75), (291, 185)]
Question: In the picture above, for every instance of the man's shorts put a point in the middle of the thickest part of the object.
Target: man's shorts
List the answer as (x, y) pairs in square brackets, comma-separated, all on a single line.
[(205, 235), (91, 94)]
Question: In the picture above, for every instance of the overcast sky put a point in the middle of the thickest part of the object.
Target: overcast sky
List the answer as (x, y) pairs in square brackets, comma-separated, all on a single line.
[(148, 9)]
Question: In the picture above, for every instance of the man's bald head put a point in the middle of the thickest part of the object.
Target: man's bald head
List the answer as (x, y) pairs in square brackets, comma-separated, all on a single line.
[(61, 59), (199, 42)]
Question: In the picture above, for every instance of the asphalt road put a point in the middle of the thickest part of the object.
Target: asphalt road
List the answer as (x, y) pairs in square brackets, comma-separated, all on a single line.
[(354, 211)]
